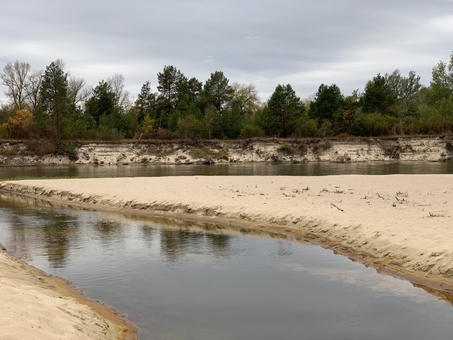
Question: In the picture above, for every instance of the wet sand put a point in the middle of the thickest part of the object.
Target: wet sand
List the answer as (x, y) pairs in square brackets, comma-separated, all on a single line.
[(37, 306), (400, 224)]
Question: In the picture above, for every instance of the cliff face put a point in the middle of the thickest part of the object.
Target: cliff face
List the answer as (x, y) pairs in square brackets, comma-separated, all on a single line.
[(431, 149)]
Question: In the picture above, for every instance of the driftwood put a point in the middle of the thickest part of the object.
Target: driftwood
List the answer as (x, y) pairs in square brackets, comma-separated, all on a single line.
[(336, 207)]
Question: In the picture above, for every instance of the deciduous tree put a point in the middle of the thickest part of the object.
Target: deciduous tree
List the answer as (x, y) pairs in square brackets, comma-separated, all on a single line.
[(118, 87), (246, 98), (32, 90), (404, 90), (15, 77)]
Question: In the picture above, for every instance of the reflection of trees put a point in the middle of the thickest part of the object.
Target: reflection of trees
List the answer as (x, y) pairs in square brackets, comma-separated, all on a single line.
[(220, 244), (17, 243), (59, 230), (148, 234), (284, 249), (175, 244), (31, 224), (108, 231)]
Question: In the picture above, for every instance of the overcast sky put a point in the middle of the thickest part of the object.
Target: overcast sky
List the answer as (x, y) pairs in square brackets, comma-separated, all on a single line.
[(266, 43)]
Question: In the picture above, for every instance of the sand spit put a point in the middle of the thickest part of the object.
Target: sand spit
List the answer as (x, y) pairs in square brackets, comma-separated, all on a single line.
[(400, 224), (37, 306)]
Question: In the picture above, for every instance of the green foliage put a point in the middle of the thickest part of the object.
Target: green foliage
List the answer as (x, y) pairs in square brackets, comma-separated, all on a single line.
[(327, 103), (101, 103), (199, 153), (325, 128), (252, 127), (442, 81), (390, 104), (146, 102), (70, 147), (189, 127), (231, 123), (210, 121), (250, 131), (282, 112), (108, 133), (286, 148), (376, 124), (306, 127), (217, 92), (55, 108), (173, 120), (378, 96), (6, 111), (172, 84), (246, 98), (432, 121)]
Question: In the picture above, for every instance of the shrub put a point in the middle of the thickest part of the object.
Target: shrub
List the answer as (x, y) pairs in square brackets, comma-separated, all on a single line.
[(250, 131), (327, 145), (286, 148), (198, 153)]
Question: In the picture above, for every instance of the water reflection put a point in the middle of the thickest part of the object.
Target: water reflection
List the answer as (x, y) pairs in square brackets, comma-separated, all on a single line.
[(108, 232), (219, 244), (176, 279), (250, 169), (59, 232)]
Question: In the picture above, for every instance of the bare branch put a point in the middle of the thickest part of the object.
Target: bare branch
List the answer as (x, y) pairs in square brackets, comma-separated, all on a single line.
[(14, 77)]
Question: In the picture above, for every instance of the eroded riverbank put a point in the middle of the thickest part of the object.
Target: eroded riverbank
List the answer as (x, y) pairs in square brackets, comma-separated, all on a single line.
[(255, 150)]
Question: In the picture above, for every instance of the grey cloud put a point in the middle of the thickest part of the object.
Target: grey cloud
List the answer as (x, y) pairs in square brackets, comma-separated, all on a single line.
[(304, 43)]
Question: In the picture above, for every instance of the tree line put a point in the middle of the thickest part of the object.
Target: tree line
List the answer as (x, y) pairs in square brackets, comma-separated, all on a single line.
[(54, 104)]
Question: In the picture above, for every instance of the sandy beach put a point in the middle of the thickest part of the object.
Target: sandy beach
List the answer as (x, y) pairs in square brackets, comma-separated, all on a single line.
[(37, 306), (400, 224)]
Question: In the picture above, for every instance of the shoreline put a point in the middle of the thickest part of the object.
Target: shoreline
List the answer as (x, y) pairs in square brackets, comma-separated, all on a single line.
[(399, 224), (37, 306)]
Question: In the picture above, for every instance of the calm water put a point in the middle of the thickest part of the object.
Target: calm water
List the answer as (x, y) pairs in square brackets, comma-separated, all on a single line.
[(306, 169), (180, 282)]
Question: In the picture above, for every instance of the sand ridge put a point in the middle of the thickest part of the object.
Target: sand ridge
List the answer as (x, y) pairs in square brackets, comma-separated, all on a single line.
[(399, 223)]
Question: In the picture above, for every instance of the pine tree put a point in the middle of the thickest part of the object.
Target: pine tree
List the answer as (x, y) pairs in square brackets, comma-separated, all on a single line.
[(282, 111), (55, 104)]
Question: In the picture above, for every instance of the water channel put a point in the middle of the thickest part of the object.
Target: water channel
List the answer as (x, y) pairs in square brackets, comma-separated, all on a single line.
[(177, 280)]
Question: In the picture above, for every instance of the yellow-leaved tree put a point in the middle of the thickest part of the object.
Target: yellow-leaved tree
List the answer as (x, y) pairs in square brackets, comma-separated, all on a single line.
[(148, 125), (19, 123)]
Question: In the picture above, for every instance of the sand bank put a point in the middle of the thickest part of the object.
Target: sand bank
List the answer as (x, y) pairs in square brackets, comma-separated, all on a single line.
[(401, 224), (35, 306)]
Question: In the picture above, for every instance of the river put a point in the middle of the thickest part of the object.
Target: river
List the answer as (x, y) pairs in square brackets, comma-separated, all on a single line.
[(178, 280)]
